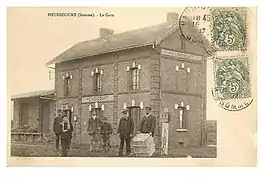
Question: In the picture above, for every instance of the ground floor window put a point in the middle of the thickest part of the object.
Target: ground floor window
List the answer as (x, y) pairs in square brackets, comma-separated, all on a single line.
[(182, 118)]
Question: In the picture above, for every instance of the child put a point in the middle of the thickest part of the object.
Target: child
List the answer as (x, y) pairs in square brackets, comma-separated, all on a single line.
[(66, 135), (105, 132)]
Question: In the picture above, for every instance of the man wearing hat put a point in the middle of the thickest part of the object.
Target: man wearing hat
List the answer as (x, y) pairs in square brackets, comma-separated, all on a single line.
[(125, 132), (56, 127), (148, 122)]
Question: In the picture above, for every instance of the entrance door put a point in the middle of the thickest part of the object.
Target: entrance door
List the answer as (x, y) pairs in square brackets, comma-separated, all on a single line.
[(67, 113), (134, 113), (23, 120), (98, 112)]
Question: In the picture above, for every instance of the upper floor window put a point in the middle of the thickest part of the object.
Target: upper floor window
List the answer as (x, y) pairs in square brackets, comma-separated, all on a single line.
[(97, 79), (134, 81), (133, 76), (67, 84)]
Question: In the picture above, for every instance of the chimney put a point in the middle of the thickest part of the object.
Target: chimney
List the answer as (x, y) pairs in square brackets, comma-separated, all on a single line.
[(105, 32), (172, 17)]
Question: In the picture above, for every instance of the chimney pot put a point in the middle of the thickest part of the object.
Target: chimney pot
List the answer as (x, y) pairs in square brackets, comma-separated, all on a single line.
[(172, 17), (105, 32)]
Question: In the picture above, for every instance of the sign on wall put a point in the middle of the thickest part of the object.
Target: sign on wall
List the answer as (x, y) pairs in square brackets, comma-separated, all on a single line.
[(181, 55), (92, 99)]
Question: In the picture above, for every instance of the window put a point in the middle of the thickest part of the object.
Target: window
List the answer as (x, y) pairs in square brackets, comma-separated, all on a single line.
[(134, 79), (182, 119), (97, 80), (67, 86)]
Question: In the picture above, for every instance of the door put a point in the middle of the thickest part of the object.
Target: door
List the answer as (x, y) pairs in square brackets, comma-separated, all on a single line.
[(46, 117), (134, 113), (98, 112), (67, 113), (23, 120)]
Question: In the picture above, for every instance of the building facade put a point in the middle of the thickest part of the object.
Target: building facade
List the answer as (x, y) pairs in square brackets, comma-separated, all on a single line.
[(153, 66), (35, 110)]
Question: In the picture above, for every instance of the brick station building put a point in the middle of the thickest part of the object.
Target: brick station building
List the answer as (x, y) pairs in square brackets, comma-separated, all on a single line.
[(152, 66)]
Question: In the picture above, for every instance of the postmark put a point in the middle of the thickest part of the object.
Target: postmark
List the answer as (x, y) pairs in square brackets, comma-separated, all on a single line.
[(232, 84), (196, 25), (234, 104)]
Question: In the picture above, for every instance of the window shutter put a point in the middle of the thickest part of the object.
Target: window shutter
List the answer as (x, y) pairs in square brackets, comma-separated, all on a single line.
[(185, 118), (94, 83)]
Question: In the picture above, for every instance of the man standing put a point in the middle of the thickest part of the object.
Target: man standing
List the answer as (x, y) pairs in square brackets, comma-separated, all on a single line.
[(106, 131), (57, 128), (125, 132), (94, 125), (66, 135), (148, 122)]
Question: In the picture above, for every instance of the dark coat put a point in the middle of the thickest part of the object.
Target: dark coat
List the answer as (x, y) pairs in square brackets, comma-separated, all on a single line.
[(67, 134), (94, 125), (125, 128), (106, 128), (57, 125), (148, 124)]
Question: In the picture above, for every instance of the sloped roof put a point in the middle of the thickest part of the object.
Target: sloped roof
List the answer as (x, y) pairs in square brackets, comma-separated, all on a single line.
[(116, 42), (34, 94)]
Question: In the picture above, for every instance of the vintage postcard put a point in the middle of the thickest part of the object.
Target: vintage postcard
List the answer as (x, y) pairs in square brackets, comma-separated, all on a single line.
[(104, 86)]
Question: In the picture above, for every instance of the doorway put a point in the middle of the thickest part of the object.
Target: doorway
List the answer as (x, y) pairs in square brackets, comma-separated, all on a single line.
[(23, 119), (46, 116), (134, 113)]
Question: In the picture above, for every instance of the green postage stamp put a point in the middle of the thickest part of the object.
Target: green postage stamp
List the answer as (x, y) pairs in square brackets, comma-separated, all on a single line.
[(231, 79), (229, 29)]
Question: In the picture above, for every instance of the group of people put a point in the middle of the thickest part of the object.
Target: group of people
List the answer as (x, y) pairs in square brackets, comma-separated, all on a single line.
[(101, 129)]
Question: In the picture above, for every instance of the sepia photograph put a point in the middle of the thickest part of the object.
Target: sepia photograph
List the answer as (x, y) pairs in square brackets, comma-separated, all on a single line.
[(132, 83)]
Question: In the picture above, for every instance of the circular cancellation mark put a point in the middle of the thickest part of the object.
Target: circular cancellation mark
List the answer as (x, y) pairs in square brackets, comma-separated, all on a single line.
[(196, 25)]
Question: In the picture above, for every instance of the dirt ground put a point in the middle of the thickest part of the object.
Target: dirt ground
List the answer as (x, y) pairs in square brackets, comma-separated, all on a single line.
[(22, 149)]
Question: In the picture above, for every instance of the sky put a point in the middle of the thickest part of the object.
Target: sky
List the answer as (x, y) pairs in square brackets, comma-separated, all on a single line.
[(34, 38)]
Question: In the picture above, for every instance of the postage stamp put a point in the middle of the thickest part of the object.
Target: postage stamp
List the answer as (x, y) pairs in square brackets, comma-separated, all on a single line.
[(232, 84), (232, 79), (229, 29), (215, 28)]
